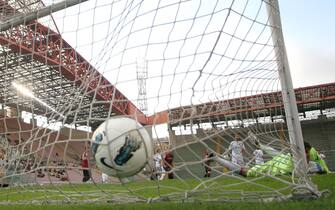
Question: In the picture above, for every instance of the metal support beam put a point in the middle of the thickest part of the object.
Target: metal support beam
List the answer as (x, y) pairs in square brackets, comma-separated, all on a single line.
[(26, 18)]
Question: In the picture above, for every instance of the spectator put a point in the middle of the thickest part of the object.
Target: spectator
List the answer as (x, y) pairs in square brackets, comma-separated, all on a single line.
[(57, 159), (40, 173)]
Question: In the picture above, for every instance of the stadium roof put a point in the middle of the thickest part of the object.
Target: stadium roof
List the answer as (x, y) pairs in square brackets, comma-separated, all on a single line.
[(309, 98), (38, 57)]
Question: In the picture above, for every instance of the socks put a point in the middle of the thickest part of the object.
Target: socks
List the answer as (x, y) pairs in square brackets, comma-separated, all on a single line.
[(269, 150), (226, 163)]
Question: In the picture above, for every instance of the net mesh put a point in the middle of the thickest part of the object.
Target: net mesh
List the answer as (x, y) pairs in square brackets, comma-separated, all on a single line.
[(202, 72)]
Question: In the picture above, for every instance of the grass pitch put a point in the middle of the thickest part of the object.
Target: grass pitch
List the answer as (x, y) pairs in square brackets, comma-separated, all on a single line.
[(88, 191)]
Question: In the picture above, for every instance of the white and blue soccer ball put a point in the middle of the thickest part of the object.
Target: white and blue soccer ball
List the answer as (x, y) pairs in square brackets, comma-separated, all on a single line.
[(121, 147)]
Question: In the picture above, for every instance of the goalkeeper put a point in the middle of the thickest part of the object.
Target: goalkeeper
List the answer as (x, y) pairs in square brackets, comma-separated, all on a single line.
[(280, 164)]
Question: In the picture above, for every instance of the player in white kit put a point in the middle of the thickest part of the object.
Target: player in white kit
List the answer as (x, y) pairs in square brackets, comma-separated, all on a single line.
[(237, 149)]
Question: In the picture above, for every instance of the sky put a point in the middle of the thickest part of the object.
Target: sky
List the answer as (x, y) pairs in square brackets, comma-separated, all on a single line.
[(309, 30)]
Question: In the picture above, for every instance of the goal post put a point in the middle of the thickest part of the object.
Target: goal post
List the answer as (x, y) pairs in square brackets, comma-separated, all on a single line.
[(289, 100)]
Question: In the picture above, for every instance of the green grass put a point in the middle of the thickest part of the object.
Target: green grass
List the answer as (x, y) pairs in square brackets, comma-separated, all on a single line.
[(213, 188), (149, 189)]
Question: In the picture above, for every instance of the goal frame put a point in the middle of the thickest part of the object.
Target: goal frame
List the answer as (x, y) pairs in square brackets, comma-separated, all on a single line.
[(289, 99)]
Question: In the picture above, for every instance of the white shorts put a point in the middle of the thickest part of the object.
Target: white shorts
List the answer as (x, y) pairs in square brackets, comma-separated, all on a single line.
[(238, 161), (314, 167)]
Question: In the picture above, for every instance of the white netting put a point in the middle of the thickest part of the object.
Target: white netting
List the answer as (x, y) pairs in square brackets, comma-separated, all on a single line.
[(201, 71)]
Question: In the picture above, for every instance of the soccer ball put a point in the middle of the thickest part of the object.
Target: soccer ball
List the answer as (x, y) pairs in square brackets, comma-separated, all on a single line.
[(121, 147)]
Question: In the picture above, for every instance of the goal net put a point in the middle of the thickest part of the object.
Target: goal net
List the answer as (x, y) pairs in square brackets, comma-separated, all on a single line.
[(196, 74)]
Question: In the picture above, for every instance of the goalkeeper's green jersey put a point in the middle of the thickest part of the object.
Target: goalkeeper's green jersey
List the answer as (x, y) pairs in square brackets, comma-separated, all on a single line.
[(279, 165), (283, 164), (314, 156)]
